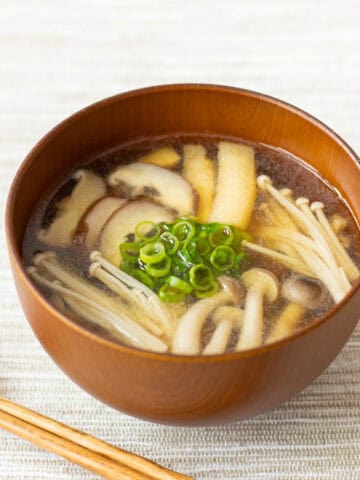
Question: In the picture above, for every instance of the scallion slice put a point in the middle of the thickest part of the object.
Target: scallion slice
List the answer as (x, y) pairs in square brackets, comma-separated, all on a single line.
[(223, 257), (147, 231), (152, 253), (159, 269), (201, 277)]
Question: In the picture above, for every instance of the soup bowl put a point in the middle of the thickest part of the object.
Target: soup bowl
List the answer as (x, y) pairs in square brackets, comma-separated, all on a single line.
[(175, 389)]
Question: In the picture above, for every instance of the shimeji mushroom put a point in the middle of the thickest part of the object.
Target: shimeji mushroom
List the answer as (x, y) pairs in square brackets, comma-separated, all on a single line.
[(93, 310), (234, 287), (69, 210), (187, 337), (303, 294), (310, 239), (227, 319), (262, 286)]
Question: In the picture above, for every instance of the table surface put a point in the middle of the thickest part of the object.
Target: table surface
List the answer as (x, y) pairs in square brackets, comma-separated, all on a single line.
[(56, 57)]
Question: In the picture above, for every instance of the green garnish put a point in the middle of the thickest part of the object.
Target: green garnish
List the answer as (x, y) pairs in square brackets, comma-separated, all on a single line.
[(130, 251), (170, 242), (223, 257), (159, 269), (183, 258), (183, 230), (221, 235), (147, 231), (201, 277), (152, 253)]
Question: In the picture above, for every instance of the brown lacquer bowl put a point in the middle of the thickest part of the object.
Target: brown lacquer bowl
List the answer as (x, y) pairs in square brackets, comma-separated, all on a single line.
[(170, 388)]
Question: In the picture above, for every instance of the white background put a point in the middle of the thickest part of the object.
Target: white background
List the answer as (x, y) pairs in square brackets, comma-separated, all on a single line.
[(58, 56)]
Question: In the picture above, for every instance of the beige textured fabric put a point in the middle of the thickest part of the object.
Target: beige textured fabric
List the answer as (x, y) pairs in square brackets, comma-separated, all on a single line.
[(56, 57)]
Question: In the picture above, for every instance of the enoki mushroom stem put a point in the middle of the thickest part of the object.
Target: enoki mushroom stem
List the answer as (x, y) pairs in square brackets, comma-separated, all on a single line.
[(130, 331)]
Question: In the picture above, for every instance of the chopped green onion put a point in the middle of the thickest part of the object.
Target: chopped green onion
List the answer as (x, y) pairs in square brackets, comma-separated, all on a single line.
[(130, 251), (169, 294), (222, 257), (178, 268), (180, 284), (147, 231), (144, 278), (170, 242), (198, 246), (183, 258), (159, 269), (183, 230), (152, 252), (201, 277), (214, 288), (221, 235)]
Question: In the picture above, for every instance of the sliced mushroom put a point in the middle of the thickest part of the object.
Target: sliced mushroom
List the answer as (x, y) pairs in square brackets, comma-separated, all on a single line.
[(236, 185), (187, 337), (234, 287), (123, 222), (95, 217), (167, 187), (199, 170), (166, 157), (262, 286), (70, 209)]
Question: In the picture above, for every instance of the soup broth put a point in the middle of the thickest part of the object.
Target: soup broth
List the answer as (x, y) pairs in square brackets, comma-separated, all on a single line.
[(193, 245)]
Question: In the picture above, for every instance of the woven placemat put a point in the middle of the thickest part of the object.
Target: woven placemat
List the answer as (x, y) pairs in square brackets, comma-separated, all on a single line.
[(56, 57)]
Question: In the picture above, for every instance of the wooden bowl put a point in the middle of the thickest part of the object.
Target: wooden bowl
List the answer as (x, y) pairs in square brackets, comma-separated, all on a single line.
[(169, 388)]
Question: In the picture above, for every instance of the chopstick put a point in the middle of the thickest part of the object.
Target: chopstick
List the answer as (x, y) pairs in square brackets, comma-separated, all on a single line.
[(99, 457)]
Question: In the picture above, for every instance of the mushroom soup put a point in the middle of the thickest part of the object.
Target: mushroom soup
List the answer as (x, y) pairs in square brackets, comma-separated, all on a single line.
[(193, 245)]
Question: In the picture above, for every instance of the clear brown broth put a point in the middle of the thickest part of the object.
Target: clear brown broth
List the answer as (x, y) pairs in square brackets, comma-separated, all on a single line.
[(284, 168)]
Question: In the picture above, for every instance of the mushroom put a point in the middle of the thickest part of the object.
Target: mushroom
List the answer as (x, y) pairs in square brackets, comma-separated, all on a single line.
[(128, 330), (199, 170), (225, 318), (167, 187), (302, 293), (236, 185), (262, 286), (70, 209), (113, 277), (311, 238), (93, 220), (187, 337), (123, 222), (339, 251), (234, 287)]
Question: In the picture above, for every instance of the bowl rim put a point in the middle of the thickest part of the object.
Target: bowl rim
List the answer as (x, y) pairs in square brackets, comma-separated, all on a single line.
[(66, 123)]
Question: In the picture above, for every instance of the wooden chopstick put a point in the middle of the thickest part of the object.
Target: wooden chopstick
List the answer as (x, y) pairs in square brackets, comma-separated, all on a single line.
[(89, 452)]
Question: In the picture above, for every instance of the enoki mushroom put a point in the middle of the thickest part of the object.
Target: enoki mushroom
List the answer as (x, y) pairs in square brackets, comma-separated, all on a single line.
[(90, 303), (313, 246)]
